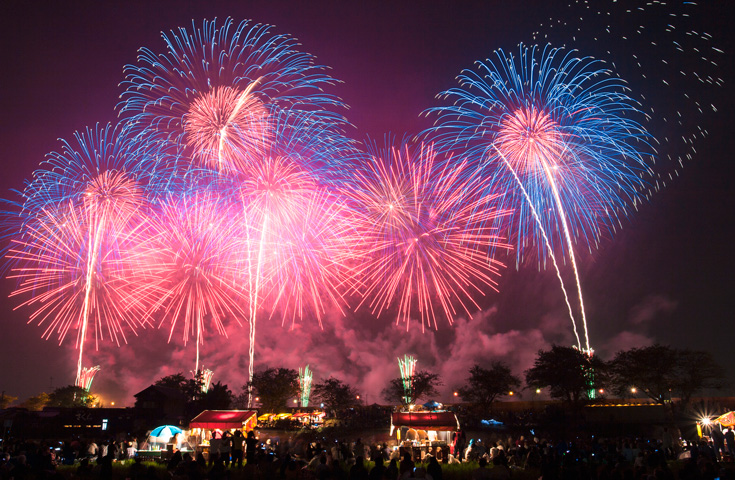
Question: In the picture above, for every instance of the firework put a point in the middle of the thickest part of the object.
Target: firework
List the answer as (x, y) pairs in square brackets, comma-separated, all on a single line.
[(204, 378), (664, 50), (305, 377), (79, 217), (407, 367), (85, 379), (213, 91), (189, 266), (425, 233), (558, 134), (299, 231)]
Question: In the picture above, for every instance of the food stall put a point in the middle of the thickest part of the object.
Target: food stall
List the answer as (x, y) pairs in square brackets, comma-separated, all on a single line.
[(163, 441), (422, 432), (313, 417), (203, 425)]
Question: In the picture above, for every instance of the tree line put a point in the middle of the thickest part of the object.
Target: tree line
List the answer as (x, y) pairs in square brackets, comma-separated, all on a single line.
[(658, 372)]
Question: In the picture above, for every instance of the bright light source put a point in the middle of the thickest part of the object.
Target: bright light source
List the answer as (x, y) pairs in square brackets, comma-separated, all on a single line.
[(510, 393), (706, 421), (456, 394), (633, 390), (538, 390)]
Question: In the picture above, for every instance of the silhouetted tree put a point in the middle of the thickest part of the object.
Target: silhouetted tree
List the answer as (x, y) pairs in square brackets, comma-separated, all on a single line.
[(37, 402), (190, 387), (218, 397), (423, 385), (661, 371), (6, 400), (274, 387), (71, 396), (567, 372), (336, 395), (484, 386)]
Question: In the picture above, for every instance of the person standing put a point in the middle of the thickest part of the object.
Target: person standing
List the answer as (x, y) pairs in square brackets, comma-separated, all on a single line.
[(251, 444), (730, 441), (237, 449), (224, 448)]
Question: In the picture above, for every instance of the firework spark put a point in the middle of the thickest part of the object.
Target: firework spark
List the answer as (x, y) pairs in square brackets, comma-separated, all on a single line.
[(665, 50), (85, 380)]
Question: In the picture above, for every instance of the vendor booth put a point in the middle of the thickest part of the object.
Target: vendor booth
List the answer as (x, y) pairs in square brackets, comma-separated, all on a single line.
[(726, 420), (214, 423), (163, 441), (423, 432)]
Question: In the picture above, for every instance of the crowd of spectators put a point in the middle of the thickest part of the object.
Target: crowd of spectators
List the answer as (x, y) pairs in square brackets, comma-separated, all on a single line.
[(485, 457)]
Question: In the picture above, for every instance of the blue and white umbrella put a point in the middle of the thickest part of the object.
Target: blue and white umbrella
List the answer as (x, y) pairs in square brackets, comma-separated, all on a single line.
[(164, 433)]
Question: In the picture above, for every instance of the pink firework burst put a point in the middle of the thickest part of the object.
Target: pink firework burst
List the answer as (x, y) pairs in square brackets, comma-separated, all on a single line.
[(426, 235), (225, 124), (189, 266)]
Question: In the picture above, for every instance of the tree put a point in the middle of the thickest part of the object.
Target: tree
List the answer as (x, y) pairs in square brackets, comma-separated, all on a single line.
[(660, 371), (6, 400), (422, 385), (567, 372), (274, 386), (71, 396), (190, 387), (336, 395), (484, 386), (36, 403), (698, 371), (218, 397)]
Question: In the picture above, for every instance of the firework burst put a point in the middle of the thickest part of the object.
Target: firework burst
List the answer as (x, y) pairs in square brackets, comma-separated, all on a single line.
[(79, 217), (665, 51), (189, 266), (213, 91), (425, 234), (558, 134)]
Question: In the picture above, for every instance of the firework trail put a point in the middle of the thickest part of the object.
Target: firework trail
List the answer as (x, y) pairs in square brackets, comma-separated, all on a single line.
[(218, 96), (305, 377), (558, 133), (407, 367), (664, 51), (301, 243), (79, 217), (214, 90), (85, 380), (299, 230), (425, 230), (189, 265), (204, 378)]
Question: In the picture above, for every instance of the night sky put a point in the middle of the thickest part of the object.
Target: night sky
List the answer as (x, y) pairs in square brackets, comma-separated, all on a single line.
[(666, 277)]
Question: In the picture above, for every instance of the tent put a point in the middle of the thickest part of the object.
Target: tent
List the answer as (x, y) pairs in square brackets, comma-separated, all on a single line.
[(437, 421), (726, 420), (225, 419)]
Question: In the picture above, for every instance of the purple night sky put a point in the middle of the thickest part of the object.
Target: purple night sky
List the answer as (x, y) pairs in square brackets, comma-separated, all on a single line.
[(665, 277)]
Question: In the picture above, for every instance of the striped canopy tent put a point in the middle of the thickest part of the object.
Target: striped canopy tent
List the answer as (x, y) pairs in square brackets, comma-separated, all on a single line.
[(225, 420), (726, 420), (437, 421)]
